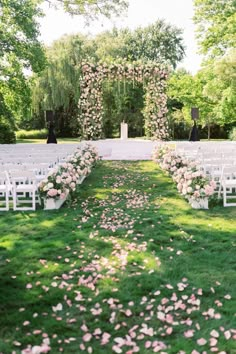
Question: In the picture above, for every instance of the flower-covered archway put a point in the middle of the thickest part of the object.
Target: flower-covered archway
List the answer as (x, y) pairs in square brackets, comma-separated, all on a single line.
[(152, 76)]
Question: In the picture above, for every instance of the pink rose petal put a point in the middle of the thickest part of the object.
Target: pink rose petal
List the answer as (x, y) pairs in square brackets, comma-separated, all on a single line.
[(201, 341), (87, 337), (189, 333), (227, 335), (213, 342), (148, 344), (169, 330), (116, 349), (214, 333)]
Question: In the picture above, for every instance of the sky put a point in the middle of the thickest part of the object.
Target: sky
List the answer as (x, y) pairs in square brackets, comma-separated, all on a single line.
[(140, 13)]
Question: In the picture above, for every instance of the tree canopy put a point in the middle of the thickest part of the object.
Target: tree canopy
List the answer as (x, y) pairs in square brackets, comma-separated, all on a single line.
[(57, 69), (220, 87), (158, 42), (19, 35), (57, 87), (20, 50), (212, 90), (92, 9), (216, 25)]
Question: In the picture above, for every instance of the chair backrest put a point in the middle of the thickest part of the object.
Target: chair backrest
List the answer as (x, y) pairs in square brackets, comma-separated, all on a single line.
[(22, 177), (229, 172), (3, 178)]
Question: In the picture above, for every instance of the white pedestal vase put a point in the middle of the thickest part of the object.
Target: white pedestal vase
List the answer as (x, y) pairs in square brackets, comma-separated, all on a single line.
[(51, 203), (201, 203), (124, 131)]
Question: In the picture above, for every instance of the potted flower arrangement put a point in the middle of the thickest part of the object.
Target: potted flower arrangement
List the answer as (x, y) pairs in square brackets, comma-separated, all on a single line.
[(63, 179), (172, 162), (160, 151), (194, 185), (54, 189), (83, 160), (191, 182)]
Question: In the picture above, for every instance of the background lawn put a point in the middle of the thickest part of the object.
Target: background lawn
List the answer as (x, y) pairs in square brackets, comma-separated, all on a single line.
[(44, 141), (126, 267)]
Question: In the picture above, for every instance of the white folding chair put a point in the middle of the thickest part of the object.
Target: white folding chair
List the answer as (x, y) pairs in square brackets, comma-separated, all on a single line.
[(24, 189), (40, 170), (229, 185), (5, 189)]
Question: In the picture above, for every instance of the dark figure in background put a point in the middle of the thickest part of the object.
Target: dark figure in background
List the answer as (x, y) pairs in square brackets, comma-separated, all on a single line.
[(51, 135), (194, 133)]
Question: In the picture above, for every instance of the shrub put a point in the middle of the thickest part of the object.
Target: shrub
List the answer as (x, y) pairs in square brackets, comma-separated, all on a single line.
[(232, 134), (32, 134), (7, 134)]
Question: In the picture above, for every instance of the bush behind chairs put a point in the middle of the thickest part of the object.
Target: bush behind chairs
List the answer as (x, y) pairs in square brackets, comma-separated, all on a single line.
[(7, 134)]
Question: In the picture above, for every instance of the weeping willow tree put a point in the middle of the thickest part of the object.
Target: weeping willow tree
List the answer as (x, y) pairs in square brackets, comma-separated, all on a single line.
[(57, 88), (91, 9)]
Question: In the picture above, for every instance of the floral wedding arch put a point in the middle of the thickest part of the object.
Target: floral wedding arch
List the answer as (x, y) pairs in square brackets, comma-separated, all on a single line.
[(152, 76)]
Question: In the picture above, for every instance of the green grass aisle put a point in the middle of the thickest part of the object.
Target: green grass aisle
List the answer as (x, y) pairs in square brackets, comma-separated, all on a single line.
[(128, 267)]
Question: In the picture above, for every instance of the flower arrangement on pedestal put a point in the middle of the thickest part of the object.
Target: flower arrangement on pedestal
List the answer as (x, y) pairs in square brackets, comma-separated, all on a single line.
[(191, 181), (63, 179)]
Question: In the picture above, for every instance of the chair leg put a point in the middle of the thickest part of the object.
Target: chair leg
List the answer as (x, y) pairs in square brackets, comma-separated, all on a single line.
[(7, 200), (18, 204), (220, 188), (33, 200), (224, 196), (228, 190), (14, 199)]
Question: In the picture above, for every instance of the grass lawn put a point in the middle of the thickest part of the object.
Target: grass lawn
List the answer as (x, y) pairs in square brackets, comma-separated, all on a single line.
[(77, 140), (127, 267)]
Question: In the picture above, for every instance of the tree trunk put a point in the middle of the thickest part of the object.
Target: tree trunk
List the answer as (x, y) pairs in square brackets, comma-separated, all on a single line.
[(209, 131)]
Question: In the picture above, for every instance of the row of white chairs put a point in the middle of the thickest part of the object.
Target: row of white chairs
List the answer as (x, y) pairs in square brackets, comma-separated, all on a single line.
[(224, 174), (22, 187), (228, 185), (224, 148), (40, 170), (17, 153), (219, 162), (35, 147), (20, 175)]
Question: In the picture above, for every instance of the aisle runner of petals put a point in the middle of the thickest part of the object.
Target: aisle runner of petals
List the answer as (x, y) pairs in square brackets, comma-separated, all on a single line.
[(168, 310)]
